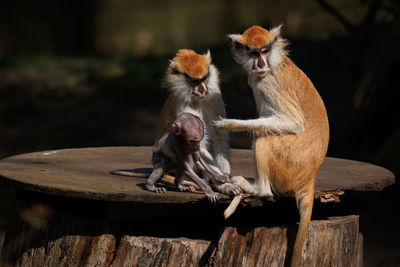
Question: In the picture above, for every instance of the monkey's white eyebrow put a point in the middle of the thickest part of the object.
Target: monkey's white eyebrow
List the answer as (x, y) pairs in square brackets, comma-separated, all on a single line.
[(268, 47), (198, 79)]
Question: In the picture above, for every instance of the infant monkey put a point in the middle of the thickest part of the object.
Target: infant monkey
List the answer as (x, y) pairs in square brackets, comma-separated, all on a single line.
[(181, 150)]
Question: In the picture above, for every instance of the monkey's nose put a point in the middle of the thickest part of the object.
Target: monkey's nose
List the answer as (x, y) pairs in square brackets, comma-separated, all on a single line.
[(200, 90), (260, 64)]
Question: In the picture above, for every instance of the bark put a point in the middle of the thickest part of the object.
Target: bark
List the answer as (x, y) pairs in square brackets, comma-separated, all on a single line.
[(333, 242)]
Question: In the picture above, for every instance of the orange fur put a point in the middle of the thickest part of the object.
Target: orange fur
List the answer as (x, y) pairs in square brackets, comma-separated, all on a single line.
[(290, 152), (256, 36), (291, 162), (189, 62)]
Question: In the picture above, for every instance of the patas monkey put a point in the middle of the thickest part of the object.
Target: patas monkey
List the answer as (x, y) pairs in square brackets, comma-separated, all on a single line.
[(193, 85), (291, 134)]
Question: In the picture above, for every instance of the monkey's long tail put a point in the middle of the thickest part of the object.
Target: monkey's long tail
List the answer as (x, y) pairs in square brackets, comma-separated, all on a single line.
[(305, 206), (232, 207), (131, 173)]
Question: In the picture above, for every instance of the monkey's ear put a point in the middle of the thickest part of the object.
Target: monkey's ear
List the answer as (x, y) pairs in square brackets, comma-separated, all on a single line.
[(277, 30), (173, 68), (235, 40), (176, 128), (208, 54), (234, 37)]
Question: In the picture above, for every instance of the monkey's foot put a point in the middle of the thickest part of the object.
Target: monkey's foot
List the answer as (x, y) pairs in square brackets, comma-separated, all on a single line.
[(229, 189), (153, 188), (160, 190), (212, 196), (187, 188), (234, 189)]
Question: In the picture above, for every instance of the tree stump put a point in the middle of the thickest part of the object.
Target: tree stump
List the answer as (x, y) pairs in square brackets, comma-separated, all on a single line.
[(338, 238), (72, 212)]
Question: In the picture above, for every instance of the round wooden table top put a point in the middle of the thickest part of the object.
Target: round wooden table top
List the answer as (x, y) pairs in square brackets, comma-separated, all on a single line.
[(85, 173)]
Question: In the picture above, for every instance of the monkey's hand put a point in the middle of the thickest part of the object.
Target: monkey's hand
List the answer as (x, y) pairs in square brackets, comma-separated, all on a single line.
[(153, 188), (220, 123), (212, 196), (187, 188)]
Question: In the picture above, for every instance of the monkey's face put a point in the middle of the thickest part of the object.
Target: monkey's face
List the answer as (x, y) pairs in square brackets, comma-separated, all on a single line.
[(198, 85), (193, 134), (193, 145), (258, 50), (192, 76), (189, 129)]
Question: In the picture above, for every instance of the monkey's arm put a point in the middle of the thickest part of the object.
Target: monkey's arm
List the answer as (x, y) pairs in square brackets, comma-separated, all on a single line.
[(158, 171), (179, 177), (212, 166), (276, 124), (221, 181), (220, 148), (216, 174), (211, 195)]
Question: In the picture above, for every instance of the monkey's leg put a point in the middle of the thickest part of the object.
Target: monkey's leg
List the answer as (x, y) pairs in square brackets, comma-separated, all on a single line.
[(210, 166), (178, 180), (221, 181), (211, 195), (216, 176), (158, 171)]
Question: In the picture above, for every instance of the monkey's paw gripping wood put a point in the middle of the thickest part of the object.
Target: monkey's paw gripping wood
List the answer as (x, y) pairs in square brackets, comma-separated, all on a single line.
[(71, 211)]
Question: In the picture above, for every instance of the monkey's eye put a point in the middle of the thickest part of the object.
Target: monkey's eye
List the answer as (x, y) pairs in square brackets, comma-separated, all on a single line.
[(264, 51), (190, 79), (194, 81), (246, 48), (205, 78), (254, 54)]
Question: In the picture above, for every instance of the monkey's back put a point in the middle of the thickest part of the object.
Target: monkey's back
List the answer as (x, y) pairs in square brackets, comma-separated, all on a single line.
[(291, 161)]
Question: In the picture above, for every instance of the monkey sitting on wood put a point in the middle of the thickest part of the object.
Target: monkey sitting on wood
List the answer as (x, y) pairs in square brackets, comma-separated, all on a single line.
[(292, 132), (179, 151), (193, 85)]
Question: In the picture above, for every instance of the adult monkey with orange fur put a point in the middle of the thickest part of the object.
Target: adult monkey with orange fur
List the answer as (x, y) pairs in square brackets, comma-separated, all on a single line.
[(292, 132), (193, 85)]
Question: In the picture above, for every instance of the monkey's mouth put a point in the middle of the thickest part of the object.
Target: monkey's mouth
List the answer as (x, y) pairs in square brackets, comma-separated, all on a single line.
[(261, 72), (200, 91)]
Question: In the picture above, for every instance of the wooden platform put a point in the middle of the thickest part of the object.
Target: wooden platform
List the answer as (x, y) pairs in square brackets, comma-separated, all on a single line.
[(85, 173), (71, 211)]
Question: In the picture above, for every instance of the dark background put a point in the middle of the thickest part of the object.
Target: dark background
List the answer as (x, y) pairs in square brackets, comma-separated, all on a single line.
[(88, 73)]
